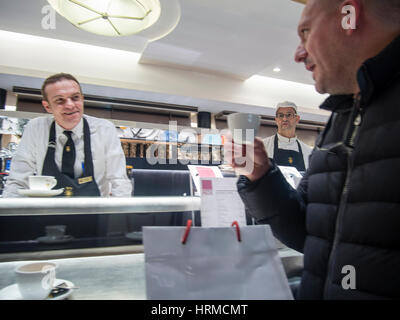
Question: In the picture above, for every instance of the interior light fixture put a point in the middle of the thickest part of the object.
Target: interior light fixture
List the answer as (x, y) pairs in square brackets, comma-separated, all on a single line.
[(277, 69), (109, 17)]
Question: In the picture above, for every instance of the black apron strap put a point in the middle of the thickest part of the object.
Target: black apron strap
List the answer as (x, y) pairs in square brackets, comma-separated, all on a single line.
[(83, 186), (300, 150), (88, 166), (49, 165)]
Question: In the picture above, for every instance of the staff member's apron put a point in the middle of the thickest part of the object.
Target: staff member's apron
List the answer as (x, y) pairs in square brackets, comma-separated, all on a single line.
[(86, 185), (289, 158)]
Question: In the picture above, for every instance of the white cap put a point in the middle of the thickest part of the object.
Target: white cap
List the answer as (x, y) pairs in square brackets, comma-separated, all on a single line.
[(286, 104)]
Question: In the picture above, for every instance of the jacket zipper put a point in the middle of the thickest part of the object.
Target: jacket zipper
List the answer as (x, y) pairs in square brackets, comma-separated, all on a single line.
[(356, 120)]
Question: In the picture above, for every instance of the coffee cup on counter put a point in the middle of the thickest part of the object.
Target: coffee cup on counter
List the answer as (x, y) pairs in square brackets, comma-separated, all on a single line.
[(36, 280), (42, 182), (55, 231), (244, 127)]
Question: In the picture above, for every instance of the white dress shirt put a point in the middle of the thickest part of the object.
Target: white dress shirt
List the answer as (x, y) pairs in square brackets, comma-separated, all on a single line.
[(287, 144), (108, 158)]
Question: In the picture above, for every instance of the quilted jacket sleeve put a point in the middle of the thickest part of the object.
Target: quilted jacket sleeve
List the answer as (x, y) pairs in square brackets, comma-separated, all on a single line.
[(271, 200)]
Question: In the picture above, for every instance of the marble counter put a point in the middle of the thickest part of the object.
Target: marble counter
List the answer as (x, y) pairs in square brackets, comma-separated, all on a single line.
[(116, 277), (111, 277)]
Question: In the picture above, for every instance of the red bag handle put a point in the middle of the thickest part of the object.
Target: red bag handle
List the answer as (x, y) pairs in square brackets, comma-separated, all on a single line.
[(186, 234), (189, 225), (236, 224)]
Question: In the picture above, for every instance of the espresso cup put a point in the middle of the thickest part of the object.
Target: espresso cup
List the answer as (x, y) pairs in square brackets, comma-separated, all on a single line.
[(55, 231), (244, 127), (36, 280), (42, 182)]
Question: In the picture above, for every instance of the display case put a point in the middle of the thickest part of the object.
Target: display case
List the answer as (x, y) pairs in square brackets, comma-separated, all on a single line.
[(91, 223)]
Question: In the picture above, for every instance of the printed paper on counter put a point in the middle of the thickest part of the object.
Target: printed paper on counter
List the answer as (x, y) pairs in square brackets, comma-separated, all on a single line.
[(221, 203), (198, 172)]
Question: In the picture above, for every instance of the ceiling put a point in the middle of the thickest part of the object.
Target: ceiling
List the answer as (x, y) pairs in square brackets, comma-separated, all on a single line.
[(220, 57), (230, 37)]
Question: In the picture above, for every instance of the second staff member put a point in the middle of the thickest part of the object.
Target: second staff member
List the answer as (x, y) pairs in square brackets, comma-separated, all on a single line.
[(284, 147)]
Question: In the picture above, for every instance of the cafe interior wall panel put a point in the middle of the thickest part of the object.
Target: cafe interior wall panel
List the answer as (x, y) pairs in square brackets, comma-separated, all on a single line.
[(98, 113), (307, 136), (36, 106), (149, 117), (30, 106)]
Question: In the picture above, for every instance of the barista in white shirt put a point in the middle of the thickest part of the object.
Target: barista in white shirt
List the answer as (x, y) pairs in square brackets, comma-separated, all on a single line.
[(99, 168), (284, 147)]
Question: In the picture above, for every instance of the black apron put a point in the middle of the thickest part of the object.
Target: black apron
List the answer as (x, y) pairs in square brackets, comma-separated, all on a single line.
[(289, 158), (86, 185)]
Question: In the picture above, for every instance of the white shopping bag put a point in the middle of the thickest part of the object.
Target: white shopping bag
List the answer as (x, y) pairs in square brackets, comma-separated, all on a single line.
[(213, 264)]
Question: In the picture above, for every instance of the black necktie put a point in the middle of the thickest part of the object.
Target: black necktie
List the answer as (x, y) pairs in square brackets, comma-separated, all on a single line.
[(68, 158)]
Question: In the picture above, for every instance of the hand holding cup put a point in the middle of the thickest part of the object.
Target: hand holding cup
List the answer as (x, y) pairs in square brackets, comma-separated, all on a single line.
[(250, 160)]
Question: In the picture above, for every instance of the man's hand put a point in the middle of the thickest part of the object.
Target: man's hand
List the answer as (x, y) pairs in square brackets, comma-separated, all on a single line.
[(250, 160)]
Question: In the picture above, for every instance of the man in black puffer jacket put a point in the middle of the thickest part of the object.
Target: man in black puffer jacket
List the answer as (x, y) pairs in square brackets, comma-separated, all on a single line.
[(345, 214)]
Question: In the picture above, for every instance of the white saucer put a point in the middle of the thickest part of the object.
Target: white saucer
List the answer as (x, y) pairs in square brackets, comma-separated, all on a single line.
[(51, 240), (40, 193), (12, 292), (135, 235)]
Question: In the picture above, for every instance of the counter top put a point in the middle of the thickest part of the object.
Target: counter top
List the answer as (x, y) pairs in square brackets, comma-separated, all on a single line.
[(117, 277), (96, 205), (120, 277)]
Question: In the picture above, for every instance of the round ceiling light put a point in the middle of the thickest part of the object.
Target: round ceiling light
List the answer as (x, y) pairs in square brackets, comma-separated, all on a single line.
[(109, 17)]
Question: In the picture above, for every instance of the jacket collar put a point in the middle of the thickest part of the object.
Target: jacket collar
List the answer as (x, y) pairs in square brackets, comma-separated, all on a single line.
[(374, 75), (338, 103), (379, 72)]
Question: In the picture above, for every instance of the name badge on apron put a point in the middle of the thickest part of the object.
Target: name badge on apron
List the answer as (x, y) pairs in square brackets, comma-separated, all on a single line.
[(85, 180)]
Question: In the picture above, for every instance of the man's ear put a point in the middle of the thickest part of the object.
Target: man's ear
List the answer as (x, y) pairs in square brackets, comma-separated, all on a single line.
[(46, 106), (351, 13)]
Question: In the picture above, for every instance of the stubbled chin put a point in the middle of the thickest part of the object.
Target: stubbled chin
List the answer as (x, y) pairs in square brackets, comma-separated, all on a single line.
[(69, 122), (319, 88)]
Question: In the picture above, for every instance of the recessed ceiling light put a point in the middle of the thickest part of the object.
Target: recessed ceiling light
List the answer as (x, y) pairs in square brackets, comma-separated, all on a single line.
[(277, 69)]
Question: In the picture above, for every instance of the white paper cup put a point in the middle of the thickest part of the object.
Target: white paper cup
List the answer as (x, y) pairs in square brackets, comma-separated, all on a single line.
[(36, 280), (42, 182), (244, 127)]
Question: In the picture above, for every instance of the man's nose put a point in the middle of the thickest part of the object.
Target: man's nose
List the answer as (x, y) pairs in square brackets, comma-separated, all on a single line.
[(69, 102), (300, 54)]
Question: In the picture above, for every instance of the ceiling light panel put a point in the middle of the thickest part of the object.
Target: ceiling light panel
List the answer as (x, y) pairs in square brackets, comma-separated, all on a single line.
[(109, 17)]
